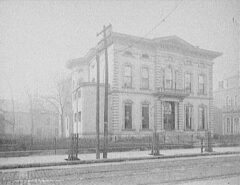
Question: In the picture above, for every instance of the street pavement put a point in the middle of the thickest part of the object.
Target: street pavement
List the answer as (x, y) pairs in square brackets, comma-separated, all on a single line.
[(112, 155), (222, 169)]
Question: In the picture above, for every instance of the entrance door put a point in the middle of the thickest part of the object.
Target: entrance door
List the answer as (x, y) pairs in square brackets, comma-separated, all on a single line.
[(169, 115)]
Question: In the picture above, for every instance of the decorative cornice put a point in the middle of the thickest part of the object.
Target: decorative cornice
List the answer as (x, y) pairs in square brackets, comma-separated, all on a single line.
[(170, 43)]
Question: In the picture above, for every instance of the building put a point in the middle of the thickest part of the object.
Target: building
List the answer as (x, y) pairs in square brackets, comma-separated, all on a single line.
[(227, 106), (162, 84)]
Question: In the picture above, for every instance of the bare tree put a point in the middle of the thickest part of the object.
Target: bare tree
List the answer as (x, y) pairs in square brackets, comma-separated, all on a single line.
[(30, 99), (59, 99)]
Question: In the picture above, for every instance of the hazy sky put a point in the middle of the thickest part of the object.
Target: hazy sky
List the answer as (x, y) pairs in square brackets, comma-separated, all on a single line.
[(38, 37)]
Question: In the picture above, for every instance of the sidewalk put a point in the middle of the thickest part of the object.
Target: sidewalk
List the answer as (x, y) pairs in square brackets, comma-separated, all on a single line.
[(53, 160)]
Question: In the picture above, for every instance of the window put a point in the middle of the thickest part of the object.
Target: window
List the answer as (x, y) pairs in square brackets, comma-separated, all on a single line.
[(232, 101), (67, 121), (220, 84), (128, 116), (188, 62), (48, 121), (201, 65), (79, 116), (202, 118), (127, 77), (79, 93), (145, 116), (75, 117), (227, 99), (145, 78), (236, 100), (201, 85), (236, 123), (188, 117), (176, 79), (228, 125), (168, 78), (146, 56), (187, 80), (128, 53)]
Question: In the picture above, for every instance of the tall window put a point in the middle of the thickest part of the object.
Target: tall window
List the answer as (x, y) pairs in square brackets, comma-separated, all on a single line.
[(168, 78), (201, 85), (128, 116), (127, 76), (75, 117), (79, 116), (145, 116), (176, 79), (145, 78), (188, 117), (202, 118), (227, 100), (188, 85), (228, 125), (236, 123)]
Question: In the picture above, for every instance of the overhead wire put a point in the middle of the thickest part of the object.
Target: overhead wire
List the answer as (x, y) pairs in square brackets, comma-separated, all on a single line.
[(155, 27)]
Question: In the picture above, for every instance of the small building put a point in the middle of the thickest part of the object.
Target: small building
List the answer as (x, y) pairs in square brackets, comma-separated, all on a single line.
[(227, 106), (162, 84)]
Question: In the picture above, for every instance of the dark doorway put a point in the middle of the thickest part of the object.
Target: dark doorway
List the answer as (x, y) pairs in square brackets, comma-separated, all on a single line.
[(169, 115)]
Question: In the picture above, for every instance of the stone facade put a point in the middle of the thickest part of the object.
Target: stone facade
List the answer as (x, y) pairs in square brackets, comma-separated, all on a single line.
[(227, 106), (162, 84)]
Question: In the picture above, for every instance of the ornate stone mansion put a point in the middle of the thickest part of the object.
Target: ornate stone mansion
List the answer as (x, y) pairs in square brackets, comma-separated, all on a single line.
[(162, 83)]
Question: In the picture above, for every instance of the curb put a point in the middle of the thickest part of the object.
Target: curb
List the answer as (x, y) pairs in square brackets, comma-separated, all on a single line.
[(31, 165)]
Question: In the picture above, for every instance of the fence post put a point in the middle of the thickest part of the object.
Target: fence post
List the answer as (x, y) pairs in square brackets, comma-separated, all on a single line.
[(157, 144), (192, 140), (209, 143), (77, 147)]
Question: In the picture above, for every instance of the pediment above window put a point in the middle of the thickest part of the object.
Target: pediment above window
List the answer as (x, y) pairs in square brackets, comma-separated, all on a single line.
[(128, 101)]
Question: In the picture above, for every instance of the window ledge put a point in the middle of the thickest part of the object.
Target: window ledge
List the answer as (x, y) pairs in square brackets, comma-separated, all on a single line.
[(200, 94), (189, 130), (146, 130), (128, 130), (144, 89), (128, 88), (201, 130)]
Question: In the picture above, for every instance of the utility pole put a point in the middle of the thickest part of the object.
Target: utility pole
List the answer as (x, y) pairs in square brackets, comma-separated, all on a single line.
[(104, 32), (97, 110)]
